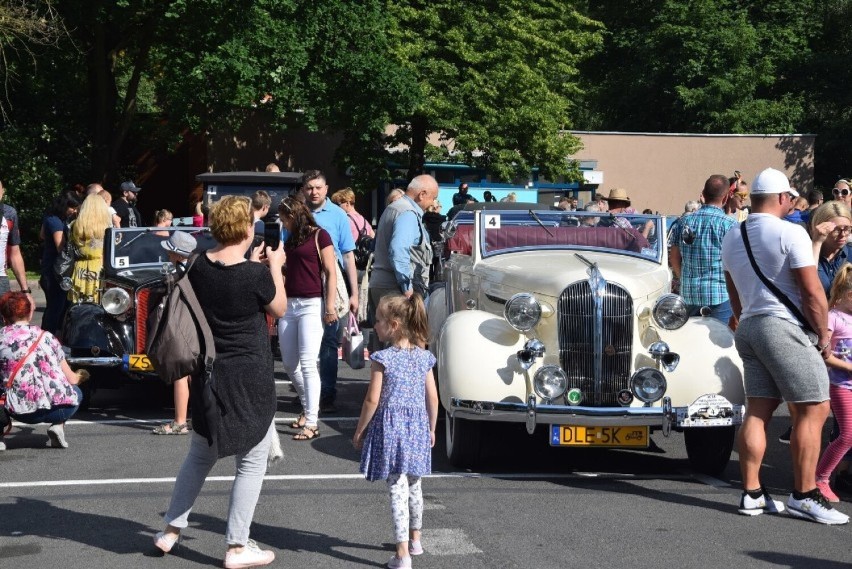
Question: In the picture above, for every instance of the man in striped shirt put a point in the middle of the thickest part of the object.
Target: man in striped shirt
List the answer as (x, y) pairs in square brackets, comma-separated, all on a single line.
[(696, 252)]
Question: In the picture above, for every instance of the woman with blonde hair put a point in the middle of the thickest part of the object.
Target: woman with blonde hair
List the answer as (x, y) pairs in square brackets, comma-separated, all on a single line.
[(87, 237), (163, 218), (830, 226)]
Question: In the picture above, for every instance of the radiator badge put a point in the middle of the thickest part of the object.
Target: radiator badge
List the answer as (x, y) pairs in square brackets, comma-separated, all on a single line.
[(625, 397), (609, 350), (574, 396)]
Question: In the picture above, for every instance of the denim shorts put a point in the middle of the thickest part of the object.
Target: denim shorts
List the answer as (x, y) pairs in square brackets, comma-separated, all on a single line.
[(780, 361)]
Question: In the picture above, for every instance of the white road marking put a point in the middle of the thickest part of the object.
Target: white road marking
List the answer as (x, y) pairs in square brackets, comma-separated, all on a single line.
[(448, 541), (291, 477), (706, 479), (89, 422)]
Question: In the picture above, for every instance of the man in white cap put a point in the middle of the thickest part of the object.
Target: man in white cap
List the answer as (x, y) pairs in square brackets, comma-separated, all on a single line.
[(777, 298), (125, 205)]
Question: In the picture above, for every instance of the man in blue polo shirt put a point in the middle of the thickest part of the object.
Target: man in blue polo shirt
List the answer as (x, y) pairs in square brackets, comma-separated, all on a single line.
[(335, 221), (696, 252)]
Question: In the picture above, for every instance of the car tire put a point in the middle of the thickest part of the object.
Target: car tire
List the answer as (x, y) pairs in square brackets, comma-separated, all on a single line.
[(709, 448), (463, 440)]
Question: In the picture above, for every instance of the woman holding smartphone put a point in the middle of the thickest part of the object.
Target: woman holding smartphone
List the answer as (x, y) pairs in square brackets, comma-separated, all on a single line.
[(310, 260)]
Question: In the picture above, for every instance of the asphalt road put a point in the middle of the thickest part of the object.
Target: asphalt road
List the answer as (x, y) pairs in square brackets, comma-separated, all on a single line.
[(99, 503)]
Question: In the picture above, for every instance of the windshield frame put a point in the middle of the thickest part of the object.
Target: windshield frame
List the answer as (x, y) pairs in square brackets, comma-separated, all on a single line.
[(547, 220), (118, 238)]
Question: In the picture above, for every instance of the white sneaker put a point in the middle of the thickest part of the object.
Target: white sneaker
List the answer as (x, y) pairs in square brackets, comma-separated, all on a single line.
[(250, 556), (415, 547), (399, 562), (2, 445), (755, 506), (56, 436), (816, 508)]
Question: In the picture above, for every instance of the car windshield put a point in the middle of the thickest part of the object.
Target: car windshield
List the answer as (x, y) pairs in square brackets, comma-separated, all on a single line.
[(630, 234), (141, 247)]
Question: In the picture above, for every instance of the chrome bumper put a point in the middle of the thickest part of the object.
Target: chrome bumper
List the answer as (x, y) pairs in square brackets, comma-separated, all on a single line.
[(533, 413), (94, 361)]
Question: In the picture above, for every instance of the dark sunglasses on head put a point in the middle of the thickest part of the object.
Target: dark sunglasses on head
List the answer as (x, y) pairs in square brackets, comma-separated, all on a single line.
[(841, 192)]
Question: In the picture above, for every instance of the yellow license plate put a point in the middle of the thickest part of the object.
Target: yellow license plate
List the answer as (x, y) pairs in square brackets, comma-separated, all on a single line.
[(139, 362), (578, 436)]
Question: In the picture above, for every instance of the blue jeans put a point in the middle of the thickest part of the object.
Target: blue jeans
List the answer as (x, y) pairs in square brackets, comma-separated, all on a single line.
[(328, 361), (720, 312), (54, 415), (56, 301)]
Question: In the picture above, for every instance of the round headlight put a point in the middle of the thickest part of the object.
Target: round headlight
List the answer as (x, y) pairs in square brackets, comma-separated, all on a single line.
[(671, 311), (522, 312), (648, 384), (115, 301), (550, 382)]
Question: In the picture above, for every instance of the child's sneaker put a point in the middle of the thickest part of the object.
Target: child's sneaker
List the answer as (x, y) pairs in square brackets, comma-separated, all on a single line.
[(813, 506), (250, 556), (763, 505), (826, 491), (415, 547), (399, 563)]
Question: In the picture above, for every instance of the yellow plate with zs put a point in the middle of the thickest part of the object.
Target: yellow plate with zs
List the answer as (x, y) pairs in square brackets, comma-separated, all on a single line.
[(138, 362), (617, 437)]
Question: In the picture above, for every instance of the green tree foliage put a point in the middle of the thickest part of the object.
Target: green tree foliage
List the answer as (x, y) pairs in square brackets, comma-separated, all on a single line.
[(497, 78), (698, 66)]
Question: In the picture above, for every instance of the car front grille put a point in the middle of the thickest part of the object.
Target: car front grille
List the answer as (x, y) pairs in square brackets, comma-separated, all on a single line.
[(142, 310), (581, 354)]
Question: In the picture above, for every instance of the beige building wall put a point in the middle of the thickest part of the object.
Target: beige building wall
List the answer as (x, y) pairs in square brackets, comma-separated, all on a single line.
[(664, 171)]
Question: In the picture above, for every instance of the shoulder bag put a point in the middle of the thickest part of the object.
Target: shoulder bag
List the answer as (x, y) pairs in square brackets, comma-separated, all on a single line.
[(785, 300), (5, 417), (341, 298), (64, 265)]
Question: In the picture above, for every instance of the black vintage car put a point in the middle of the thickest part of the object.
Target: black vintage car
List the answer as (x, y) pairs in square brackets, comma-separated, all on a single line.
[(109, 337)]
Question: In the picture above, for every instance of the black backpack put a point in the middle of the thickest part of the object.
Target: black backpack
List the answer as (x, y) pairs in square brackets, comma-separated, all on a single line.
[(364, 245)]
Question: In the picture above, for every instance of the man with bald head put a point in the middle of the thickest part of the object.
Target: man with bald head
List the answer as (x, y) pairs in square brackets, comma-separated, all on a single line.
[(403, 251)]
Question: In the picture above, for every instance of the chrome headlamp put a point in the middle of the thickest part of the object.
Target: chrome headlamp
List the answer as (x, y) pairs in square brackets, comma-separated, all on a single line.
[(648, 384), (115, 301), (550, 382), (522, 312), (671, 312)]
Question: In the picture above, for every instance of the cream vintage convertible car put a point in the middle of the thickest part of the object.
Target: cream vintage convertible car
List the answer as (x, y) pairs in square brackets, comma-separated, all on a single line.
[(565, 321)]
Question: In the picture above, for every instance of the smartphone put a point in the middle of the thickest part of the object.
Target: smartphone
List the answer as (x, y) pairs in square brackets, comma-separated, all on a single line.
[(272, 234)]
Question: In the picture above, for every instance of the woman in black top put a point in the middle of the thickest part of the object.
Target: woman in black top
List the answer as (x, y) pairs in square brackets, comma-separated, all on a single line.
[(234, 294)]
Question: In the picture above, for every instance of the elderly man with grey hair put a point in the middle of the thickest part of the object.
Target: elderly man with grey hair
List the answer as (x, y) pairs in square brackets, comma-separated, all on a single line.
[(403, 251), (591, 221)]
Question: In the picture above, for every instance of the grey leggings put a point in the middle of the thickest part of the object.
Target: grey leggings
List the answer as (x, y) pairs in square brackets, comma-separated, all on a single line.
[(406, 499), (245, 492)]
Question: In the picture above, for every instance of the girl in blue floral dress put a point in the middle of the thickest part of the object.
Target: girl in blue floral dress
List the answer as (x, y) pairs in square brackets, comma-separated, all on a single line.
[(396, 430)]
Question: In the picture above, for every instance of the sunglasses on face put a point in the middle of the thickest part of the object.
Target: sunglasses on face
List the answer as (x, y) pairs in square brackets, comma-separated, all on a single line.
[(841, 192)]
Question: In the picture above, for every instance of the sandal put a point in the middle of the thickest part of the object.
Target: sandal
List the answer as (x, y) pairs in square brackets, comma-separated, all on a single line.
[(299, 423), (307, 434), (171, 429)]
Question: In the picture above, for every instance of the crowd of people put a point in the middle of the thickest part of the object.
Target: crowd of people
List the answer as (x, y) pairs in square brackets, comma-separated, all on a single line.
[(794, 335)]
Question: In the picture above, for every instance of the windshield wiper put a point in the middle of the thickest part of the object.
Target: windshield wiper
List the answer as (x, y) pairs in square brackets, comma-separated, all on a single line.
[(141, 233), (534, 215)]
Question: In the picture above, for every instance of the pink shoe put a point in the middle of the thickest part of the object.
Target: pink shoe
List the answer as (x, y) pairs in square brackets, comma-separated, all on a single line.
[(826, 491), (415, 547), (399, 562)]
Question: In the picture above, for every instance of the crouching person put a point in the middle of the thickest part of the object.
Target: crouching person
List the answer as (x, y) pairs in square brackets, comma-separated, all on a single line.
[(40, 385)]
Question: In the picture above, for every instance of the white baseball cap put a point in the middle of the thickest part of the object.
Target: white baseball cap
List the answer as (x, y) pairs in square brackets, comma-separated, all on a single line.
[(772, 181)]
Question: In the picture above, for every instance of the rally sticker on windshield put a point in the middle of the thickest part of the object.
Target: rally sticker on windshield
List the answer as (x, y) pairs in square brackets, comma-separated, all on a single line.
[(122, 262), (492, 221)]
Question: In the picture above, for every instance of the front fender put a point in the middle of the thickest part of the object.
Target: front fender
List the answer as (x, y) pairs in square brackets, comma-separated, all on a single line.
[(87, 329), (477, 358), (709, 362), (436, 312)]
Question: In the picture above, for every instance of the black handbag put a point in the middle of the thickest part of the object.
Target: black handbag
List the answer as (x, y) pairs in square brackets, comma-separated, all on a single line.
[(64, 265)]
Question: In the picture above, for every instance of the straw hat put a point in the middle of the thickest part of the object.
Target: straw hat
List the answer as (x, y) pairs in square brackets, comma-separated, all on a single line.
[(618, 194)]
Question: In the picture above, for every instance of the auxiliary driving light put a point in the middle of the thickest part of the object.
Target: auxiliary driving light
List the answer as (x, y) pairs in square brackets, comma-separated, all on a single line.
[(550, 382), (648, 384), (115, 301)]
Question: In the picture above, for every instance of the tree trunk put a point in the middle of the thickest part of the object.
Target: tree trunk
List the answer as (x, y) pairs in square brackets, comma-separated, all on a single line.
[(417, 150)]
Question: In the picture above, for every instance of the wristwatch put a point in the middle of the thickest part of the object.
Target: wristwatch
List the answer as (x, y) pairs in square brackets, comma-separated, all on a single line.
[(27, 290)]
